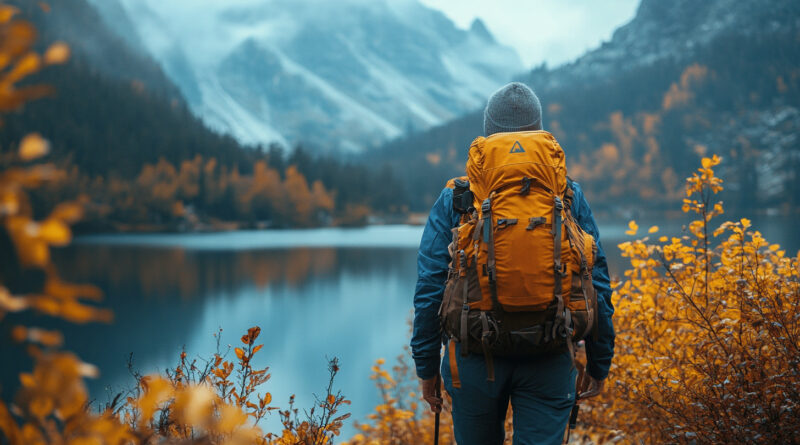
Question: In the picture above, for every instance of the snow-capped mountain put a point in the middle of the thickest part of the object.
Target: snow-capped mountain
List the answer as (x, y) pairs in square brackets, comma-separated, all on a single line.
[(338, 75)]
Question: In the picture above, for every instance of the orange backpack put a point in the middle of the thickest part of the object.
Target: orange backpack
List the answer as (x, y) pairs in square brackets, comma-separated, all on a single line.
[(520, 279)]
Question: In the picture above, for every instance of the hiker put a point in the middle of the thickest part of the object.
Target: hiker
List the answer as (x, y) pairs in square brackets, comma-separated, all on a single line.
[(511, 297)]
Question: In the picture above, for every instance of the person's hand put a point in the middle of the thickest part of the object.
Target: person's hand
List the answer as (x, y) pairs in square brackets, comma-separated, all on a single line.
[(588, 387), (432, 394)]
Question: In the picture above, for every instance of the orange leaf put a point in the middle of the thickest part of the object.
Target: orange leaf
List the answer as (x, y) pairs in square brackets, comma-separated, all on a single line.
[(69, 212), (28, 64), (239, 353), (57, 54), (33, 146), (7, 13), (156, 391), (55, 232), (254, 332), (257, 348)]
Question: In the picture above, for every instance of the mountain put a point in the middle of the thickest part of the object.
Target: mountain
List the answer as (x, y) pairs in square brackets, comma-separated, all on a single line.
[(668, 30), (125, 140), (681, 80), (341, 75), (113, 109)]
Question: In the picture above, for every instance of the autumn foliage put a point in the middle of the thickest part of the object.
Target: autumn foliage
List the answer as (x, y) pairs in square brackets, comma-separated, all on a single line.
[(198, 194), (217, 402), (708, 334), (401, 418), (708, 342)]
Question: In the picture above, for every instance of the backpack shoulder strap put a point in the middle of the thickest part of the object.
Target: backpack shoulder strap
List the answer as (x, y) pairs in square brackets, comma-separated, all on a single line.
[(569, 194), (451, 184)]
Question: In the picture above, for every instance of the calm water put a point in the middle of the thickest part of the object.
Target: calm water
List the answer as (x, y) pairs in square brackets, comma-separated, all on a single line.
[(316, 294)]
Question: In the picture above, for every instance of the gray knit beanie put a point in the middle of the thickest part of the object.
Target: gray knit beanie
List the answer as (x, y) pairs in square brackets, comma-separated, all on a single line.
[(514, 107)]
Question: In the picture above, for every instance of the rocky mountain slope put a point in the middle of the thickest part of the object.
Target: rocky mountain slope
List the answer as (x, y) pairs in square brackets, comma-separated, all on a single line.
[(335, 75), (681, 80)]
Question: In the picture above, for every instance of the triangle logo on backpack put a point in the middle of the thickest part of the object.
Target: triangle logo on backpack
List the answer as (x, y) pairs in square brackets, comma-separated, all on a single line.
[(517, 148)]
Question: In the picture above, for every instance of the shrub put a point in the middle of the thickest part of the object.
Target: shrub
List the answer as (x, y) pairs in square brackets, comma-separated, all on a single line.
[(214, 404), (708, 342), (708, 333)]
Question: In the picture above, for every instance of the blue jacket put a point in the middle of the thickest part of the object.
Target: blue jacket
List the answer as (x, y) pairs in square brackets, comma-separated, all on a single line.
[(432, 263)]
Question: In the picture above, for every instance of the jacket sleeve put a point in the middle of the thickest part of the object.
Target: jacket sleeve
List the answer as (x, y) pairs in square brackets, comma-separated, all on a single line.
[(599, 353), (432, 264)]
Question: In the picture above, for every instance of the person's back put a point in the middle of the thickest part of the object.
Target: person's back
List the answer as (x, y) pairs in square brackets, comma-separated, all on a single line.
[(482, 381)]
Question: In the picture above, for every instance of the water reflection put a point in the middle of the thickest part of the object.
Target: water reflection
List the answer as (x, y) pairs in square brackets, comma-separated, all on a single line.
[(160, 272), (311, 304)]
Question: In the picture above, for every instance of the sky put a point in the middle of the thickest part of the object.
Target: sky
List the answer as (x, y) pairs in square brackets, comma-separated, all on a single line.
[(552, 31)]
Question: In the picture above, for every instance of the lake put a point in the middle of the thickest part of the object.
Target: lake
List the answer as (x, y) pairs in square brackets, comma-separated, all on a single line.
[(315, 293)]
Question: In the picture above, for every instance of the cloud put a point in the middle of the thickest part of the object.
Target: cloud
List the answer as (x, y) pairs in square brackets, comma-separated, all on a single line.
[(552, 31)]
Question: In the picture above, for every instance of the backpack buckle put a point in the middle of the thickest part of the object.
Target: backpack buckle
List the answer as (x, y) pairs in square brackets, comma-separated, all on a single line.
[(505, 222), (486, 206), (526, 186), (559, 204)]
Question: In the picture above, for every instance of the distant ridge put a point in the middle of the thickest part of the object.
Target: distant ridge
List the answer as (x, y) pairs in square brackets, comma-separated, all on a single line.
[(681, 80)]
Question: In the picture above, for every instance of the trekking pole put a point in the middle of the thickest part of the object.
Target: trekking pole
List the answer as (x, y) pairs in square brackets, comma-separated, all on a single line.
[(573, 419), (573, 416), (438, 393)]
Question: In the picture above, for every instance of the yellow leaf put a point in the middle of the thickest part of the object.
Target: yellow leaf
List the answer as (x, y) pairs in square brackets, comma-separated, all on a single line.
[(46, 338), (55, 232), (194, 405), (231, 418), (11, 304), (57, 54), (653, 229), (33, 146), (41, 407), (7, 13), (28, 64), (69, 212), (156, 391), (706, 162), (76, 312), (633, 228)]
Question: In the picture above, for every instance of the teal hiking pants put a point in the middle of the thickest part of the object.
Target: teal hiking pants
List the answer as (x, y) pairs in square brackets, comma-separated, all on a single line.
[(541, 391)]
